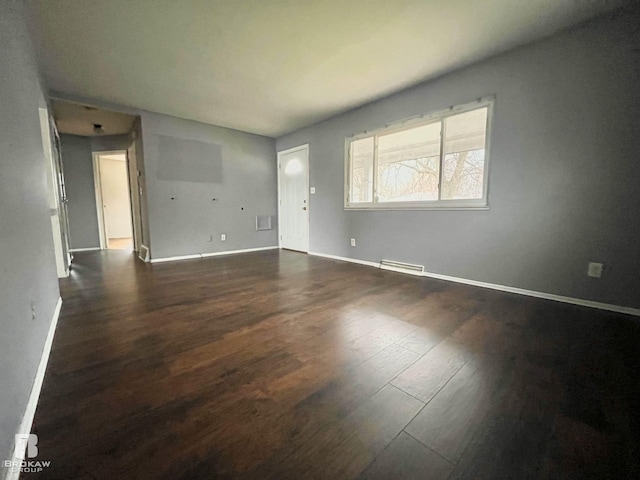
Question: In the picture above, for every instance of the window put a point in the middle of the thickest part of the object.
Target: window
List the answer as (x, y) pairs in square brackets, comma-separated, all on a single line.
[(436, 161)]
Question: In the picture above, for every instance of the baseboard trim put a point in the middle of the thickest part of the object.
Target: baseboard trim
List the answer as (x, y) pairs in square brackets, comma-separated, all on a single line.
[(32, 404), (493, 286), (173, 259), (92, 249), (532, 293), (212, 254)]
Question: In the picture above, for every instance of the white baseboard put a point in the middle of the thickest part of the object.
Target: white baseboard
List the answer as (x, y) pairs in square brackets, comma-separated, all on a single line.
[(173, 259), (503, 288), (213, 254), (532, 293), (92, 249), (30, 411)]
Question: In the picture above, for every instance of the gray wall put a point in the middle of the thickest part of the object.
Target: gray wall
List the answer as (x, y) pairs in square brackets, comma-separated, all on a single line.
[(27, 265), (565, 165), (182, 214), (108, 143), (78, 173)]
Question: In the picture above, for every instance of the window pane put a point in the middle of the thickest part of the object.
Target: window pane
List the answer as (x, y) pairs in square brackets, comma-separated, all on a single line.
[(464, 147), (408, 164), (361, 188)]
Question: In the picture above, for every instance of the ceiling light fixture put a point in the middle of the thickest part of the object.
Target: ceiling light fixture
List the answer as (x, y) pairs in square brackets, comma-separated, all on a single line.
[(97, 129)]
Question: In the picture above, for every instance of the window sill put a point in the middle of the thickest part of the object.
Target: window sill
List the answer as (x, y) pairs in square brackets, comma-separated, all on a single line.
[(405, 206), (396, 209)]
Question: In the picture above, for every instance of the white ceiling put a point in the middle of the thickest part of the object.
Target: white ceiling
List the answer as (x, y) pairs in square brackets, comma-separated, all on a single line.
[(78, 119), (273, 66)]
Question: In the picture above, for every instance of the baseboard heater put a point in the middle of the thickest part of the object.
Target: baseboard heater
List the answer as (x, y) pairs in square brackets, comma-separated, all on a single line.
[(401, 267)]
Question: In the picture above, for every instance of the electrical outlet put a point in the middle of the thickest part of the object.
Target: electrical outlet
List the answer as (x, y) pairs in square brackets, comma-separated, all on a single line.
[(595, 270), (223, 237), (353, 242), (33, 311)]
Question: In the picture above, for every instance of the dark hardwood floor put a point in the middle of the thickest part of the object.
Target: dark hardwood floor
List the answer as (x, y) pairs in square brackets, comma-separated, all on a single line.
[(277, 365)]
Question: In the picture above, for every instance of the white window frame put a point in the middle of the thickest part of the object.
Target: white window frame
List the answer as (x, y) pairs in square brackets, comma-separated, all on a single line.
[(440, 204)]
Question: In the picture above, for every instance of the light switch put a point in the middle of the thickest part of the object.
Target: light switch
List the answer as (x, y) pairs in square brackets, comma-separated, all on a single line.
[(313, 190)]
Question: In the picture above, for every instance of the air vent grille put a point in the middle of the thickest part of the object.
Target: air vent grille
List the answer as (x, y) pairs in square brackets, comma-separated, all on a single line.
[(401, 267), (144, 253), (263, 222)]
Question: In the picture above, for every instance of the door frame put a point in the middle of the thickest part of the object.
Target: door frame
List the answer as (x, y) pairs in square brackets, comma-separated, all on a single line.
[(56, 195), (135, 189), (280, 154), (97, 183)]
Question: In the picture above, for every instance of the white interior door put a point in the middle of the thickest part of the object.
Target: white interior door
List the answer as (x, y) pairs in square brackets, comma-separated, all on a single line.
[(113, 201), (293, 188), (115, 197)]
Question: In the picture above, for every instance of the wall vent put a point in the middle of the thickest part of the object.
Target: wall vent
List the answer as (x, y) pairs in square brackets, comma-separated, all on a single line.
[(263, 222), (401, 267), (144, 253)]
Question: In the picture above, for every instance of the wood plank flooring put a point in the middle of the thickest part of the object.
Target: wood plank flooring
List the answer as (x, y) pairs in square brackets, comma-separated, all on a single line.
[(278, 365), (120, 243)]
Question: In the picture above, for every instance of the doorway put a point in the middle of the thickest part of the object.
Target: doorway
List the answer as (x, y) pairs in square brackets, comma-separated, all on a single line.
[(293, 196), (113, 200)]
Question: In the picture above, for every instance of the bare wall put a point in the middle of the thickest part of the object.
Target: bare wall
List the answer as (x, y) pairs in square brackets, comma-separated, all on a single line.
[(183, 215), (108, 143), (563, 180), (78, 173), (28, 279)]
